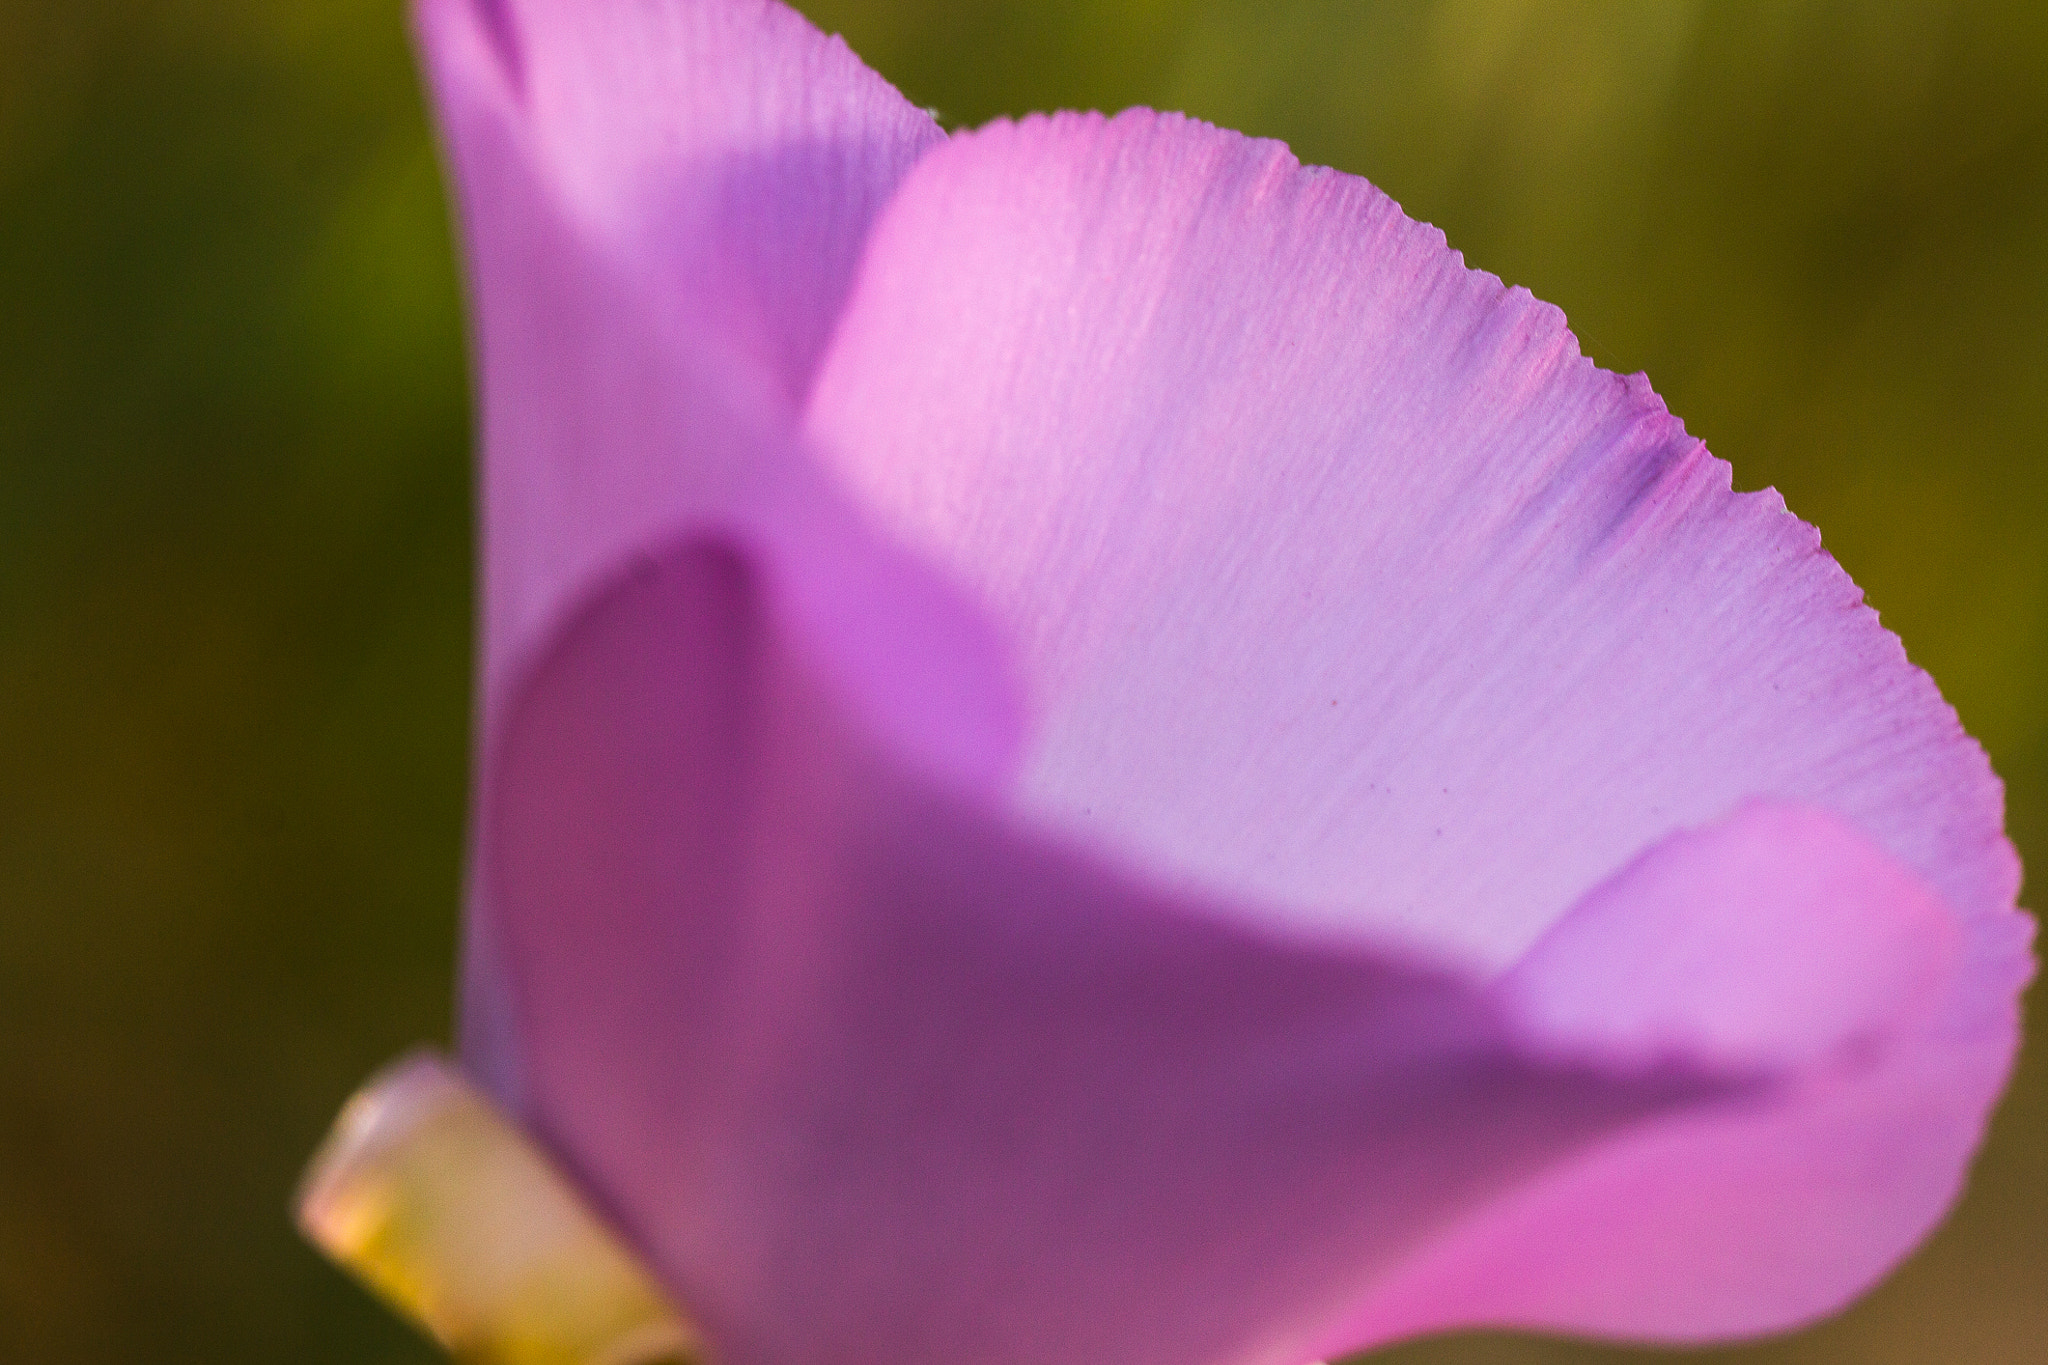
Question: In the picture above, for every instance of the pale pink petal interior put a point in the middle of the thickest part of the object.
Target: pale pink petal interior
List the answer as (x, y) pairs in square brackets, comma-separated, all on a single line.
[(1341, 579)]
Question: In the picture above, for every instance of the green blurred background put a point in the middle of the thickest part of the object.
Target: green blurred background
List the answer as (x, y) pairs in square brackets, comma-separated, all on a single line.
[(235, 540)]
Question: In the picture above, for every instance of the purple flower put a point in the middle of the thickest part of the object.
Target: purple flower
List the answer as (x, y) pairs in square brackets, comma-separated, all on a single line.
[(1094, 753)]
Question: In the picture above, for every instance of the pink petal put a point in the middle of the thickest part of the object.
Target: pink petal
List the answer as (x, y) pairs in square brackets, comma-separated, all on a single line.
[(871, 1070), (1711, 1225), (1737, 943), (872, 1077), (1344, 584), (731, 153), (1764, 941), (662, 204), (1338, 575)]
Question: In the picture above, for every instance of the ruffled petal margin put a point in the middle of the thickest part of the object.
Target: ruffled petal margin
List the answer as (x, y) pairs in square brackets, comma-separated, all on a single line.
[(1338, 574), (1346, 588), (1357, 612)]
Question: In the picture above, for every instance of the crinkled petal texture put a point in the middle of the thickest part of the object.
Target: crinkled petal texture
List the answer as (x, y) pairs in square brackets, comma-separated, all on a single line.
[(1433, 855)]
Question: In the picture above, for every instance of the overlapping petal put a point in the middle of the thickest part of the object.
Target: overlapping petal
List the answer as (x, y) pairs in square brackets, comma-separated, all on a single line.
[(1360, 621), (873, 1075), (1343, 580), (661, 206), (729, 151), (1717, 1223)]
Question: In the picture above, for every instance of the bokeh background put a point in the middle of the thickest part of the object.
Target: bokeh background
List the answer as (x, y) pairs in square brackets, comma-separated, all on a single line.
[(235, 540)]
